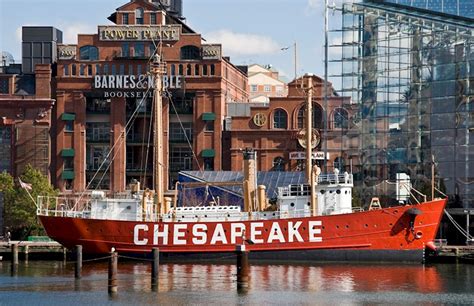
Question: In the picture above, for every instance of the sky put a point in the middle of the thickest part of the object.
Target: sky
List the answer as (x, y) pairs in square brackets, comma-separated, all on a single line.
[(250, 31)]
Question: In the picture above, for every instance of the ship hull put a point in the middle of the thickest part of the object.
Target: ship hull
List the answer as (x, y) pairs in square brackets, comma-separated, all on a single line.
[(389, 234)]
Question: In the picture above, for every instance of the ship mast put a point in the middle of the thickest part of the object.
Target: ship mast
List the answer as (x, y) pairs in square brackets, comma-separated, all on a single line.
[(158, 69)]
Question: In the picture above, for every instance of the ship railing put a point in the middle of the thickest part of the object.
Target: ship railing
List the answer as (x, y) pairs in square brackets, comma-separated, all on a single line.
[(332, 178), (63, 207)]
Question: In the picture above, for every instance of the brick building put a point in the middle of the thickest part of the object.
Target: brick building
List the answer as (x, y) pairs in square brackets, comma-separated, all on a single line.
[(272, 129), (25, 119), (102, 117)]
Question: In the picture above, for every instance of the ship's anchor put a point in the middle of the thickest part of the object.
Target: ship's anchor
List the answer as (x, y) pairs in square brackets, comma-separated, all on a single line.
[(412, 213)]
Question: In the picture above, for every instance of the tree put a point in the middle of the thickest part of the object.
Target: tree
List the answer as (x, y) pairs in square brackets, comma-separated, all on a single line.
[(20, 210)]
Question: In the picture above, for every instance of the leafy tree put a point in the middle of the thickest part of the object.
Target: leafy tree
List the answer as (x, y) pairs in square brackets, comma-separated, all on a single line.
[(20, 210)]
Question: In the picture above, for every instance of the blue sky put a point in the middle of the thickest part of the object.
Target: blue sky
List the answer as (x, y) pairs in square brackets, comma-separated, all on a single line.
[(251, 31)]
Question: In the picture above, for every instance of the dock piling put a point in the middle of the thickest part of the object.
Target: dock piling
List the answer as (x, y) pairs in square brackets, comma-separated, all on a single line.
[(78, 266), (243, 269), (14, 259), (155, 266), (112, 287)]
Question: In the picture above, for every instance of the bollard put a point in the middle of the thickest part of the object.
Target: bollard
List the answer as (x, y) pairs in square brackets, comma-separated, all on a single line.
[(15, 254), (243, 268), (155, 265), (78, 270), (14, 259), (113, 272), (27, 250)]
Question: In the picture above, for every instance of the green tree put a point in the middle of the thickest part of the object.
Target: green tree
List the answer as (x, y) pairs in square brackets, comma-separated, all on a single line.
[(20, 210)]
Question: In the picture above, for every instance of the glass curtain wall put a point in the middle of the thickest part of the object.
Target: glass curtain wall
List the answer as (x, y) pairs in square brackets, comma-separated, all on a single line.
[(411, 78)]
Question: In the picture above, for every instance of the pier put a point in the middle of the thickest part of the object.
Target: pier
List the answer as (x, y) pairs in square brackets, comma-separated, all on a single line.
[(26, 248)]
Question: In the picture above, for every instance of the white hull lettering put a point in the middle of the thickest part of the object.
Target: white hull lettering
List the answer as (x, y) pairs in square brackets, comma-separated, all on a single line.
[(201, 233)]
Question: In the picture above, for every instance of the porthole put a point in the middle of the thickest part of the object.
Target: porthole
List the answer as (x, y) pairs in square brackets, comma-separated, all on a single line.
[(292, 204), (309, 204), (322, 191), (338, 191), (366, 225)]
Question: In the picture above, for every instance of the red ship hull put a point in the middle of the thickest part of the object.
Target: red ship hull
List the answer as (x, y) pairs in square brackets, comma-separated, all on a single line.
[(389, 233)]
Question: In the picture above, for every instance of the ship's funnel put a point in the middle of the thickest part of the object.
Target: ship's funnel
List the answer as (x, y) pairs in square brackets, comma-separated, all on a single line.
[(250, 176)]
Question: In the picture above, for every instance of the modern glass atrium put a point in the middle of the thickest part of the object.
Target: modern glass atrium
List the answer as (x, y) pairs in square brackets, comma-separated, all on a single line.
[(463, 8), (410, 74)]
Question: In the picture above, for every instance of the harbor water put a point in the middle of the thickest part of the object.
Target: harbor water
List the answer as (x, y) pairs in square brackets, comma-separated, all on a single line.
[(53, 283)]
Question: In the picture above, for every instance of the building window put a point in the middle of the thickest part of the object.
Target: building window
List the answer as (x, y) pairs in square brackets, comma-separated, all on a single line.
[(280, 119), (339, 163), (89, 70), (69, 126), (106, 69), (153, 18), (253, 88), (139, 16), (125, 50), (94, 105), (213, 69), (278, 164), (69, 163), (180, 69), (188, 69), (181, 132), (204, 69), (81, 70), (125, 18), (190, 53), (209, 163), (139, 50), (4, 86), (5, 148), (317, 117), (98, 132), (139, 69), (66, 71), (73, 69), (122, 69), (114, 70), (267, 88), (180, 158), (196, 70), (68, 185), (130, 69), (152, 49), (89, 53), (341, 118), (173, 70), (209, 126), (97, 69)]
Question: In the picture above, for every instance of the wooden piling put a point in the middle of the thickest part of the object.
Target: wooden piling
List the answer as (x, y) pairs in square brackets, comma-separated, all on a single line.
[(14, 254), (155, 266), (112, 287), (243, 268), (78, 266), (27, 250)]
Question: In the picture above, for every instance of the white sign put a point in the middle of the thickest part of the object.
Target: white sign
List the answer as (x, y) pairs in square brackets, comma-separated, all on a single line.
[(140, 33), (315, 155), (135, 81)]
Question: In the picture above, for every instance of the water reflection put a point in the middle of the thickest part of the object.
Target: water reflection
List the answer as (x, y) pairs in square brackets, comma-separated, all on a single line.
[(202, 283)]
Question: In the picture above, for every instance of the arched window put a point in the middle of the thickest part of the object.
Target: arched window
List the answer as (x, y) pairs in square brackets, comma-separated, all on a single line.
[(139, 16), (89, 53), (204, 69), (173, 70), (280, 119), (341, 118), (180, 69), (339, 163), (278, 164), (196, 70), (317, 117), (73, 69), (190, 53), (213, 69), (188, 69)]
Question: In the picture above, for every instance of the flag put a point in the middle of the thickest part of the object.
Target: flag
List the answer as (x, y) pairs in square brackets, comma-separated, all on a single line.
[(25, 185)]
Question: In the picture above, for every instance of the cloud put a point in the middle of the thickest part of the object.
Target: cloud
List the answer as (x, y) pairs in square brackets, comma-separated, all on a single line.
[(235, 44), (70, 31)]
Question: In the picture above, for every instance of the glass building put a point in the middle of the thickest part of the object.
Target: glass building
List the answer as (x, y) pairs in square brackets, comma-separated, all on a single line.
[(410, 73), (463, 8)]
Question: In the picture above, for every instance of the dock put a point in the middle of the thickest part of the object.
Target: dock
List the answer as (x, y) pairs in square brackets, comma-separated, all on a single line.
[(34, 248)]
